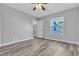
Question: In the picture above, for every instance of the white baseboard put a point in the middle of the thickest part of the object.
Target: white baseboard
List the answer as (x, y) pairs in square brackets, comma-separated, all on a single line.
[(44, 37), (62, 40), (15, 42)]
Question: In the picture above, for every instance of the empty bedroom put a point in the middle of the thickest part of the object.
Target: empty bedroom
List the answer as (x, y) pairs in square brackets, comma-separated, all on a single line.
[(39, 29)]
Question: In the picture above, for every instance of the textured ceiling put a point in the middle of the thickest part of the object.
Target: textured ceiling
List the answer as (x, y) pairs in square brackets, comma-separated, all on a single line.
[(50, 8)]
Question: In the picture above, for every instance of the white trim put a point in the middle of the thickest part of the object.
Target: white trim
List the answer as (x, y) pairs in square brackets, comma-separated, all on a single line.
[(62, 40), (15, 42), (44, 37)]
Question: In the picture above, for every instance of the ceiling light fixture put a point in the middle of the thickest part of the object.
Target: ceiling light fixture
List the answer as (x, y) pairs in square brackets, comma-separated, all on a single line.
[(39, 6)]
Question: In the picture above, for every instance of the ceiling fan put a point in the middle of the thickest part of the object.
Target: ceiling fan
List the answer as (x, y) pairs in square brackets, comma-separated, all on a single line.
[(39, 6)]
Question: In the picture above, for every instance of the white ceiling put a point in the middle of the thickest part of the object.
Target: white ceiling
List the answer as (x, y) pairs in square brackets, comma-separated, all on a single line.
[(50, 8)]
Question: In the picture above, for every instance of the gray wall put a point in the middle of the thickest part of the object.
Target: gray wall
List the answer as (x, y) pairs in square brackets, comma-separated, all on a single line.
[(15, 25), (70, 26), (0, 24), (78, 23)]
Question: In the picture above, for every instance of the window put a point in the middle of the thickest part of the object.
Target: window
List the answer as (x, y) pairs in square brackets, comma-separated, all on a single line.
[(57, 25)]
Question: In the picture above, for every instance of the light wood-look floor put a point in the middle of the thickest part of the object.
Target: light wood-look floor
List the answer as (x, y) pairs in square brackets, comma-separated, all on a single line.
[(41, 47)]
